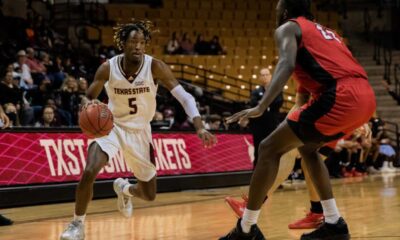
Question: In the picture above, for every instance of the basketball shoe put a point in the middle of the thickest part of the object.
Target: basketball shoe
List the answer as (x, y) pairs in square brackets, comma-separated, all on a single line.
[(311, 220), (238, 234), (328, 231), (74, 231), (124, 202), (237, 206), (5, 221)]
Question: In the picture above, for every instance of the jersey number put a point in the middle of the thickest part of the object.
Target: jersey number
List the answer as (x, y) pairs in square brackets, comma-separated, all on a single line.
[(327, 34), (132, 105)]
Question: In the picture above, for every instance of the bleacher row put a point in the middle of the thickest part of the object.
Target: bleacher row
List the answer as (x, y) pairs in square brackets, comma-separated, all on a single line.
[(245, 29)]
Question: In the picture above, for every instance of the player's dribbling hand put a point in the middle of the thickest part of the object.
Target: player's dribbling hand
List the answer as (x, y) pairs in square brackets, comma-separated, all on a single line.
[(86, 102), (208, 139), (244, 115), (5, 120)]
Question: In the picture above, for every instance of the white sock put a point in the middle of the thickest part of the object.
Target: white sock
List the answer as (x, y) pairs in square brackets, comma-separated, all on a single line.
[(250, 217), (126, 191), (80, 218), (331, 212)]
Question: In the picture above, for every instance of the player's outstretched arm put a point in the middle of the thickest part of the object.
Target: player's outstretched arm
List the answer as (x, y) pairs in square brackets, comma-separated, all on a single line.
[(100, 78), (286, 39), (163, 74)]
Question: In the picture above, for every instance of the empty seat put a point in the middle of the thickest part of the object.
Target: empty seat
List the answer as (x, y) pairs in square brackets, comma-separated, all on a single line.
[(217, 5), (214, 15), (242, 42), (181, 4), (207, 4), (227, 15), (169, 4), (193, 4), (249, 24), (229, 5), (240, 15)]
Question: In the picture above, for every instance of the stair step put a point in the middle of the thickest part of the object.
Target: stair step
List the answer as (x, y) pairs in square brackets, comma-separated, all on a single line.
[(387, 114)]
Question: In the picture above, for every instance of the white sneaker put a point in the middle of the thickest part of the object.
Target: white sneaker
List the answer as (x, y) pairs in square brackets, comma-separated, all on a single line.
[(124, 202), (387, 169), (396, 169), (74, 231), (372, 170)]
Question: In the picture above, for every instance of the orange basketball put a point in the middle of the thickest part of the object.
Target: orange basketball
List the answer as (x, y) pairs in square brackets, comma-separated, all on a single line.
[(96, 120)]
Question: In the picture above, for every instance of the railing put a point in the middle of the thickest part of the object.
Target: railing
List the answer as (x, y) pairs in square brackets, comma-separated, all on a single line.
[(396, 79), (377, 47), (236, 88), (394, 136), (213, 81), (387, 57)]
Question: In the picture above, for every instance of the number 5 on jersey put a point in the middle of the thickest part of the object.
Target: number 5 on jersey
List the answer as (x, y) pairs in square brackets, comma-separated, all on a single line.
[(132, 105)]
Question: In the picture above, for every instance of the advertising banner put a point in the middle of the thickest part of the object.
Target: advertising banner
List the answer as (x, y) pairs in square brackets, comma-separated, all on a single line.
[(34, 158)]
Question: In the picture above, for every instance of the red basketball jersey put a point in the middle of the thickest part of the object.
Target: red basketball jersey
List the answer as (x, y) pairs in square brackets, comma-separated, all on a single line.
[(322, 58)]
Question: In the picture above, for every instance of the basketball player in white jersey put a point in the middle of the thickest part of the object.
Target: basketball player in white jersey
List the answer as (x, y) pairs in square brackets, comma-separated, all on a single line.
[(130, 80)]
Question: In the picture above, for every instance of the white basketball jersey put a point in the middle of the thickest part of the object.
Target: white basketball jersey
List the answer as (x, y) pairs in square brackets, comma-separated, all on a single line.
[(132, 104)]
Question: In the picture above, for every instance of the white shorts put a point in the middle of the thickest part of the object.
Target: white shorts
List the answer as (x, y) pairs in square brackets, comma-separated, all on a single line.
[(136, 147)]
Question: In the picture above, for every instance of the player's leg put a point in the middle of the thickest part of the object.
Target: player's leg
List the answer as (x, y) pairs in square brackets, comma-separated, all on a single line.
[(319, 176), (270, 151), (315, 216), (96, 160), (139, 156), (143, 190), (286, 165)]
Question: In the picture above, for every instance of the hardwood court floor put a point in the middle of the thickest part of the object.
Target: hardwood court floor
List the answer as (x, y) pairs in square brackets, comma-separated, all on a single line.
[(371, 206)]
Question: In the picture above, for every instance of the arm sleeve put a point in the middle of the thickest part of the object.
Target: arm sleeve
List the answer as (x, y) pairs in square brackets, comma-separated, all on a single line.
[(186, 100)]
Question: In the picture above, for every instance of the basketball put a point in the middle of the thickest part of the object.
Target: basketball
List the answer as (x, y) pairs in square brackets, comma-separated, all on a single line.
[(96, 120)]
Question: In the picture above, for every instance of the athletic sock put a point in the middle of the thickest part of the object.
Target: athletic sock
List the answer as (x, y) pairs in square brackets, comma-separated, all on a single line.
[(250, 218), (126, 191), (79, 218), (316, 207), (331, 212)]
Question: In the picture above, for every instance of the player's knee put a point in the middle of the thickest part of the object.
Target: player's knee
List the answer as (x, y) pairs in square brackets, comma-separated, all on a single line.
[(268, 151)]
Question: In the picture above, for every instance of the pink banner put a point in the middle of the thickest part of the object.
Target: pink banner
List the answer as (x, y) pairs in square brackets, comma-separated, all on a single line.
[(30, 158)]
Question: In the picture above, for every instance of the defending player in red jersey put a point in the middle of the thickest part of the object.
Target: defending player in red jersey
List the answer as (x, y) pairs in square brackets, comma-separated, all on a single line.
[(342, 100)]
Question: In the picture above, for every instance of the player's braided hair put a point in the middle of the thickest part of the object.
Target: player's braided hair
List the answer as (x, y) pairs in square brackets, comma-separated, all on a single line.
[(122, 31), (297, 8)]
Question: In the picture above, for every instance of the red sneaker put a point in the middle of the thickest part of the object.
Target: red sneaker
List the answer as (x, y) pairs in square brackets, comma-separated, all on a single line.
[(312, 220), (346, 174), (356, 173), (237, 206)]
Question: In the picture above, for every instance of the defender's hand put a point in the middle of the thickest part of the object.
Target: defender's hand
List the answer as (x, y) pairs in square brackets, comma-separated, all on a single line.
[(208, 139), (244, 115)]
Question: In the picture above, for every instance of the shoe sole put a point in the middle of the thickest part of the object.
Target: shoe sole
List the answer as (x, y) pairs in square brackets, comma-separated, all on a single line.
[(337, 237), (61, 238), (297, 228)]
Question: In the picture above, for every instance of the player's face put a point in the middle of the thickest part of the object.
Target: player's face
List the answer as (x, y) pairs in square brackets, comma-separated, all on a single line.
[(281, 13), (135, 46)]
